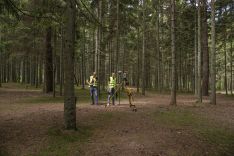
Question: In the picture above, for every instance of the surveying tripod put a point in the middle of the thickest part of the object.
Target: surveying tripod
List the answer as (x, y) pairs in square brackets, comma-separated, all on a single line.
[(122, 81)]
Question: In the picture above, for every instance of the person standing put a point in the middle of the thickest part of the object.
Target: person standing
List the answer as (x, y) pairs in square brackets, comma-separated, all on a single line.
[(111, 89), (93, 84)]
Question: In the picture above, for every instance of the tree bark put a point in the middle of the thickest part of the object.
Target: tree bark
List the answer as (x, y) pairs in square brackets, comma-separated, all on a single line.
[(48, 62), (213, 55), (205, 53), (96, 50), (0, 61), (143, 51), (61, 63), (173, 55), (195, 56), (138, 61), (161, 56), (117, 37), (157, 47), (199, 90), (82, 62), (231, 64), (40, 70), (138, 50), (225, 63), (69, 51), (54, 62), (110, 58), (36, 72), (99, 46)]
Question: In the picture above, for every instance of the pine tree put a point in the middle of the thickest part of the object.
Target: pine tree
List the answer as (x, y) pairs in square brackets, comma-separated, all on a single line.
[(213, 55), (173, 55), (199, 90), (69, 50)]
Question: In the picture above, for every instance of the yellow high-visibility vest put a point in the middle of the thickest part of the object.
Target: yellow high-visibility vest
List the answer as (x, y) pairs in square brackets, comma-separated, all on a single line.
[(112, 83)]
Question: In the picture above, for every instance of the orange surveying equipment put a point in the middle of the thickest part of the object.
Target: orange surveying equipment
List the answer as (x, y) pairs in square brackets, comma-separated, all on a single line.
[(129, 92), (122, 81)]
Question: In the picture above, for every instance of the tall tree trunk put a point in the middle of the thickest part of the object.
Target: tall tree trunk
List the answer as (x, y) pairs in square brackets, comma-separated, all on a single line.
[(11, 70), (157, 47), (96, 50), (195, 56), (36, 71), (231, 64), (25, 70), (138, 50), (173, 55), (180, 71), (54, 62), (82, 62), (161, 65), (27, 73), (124, 55), (99, 45), (225, 63), (30, 69), (33, 62), (110, 59), (143, 51), (205, 53), (138, 61), (61, 62), (117, 37), (199, 90), (0, 61), (213, 55), (48, 62), (69, 51), (40, 70)]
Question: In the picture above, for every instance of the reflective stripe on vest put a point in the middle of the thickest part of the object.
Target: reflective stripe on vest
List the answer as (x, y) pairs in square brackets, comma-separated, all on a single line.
[(95, 82), (112, 82)]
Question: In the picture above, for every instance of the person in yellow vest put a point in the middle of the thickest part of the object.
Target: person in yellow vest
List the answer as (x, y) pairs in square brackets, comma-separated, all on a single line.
[(111, 89), (93, 84)]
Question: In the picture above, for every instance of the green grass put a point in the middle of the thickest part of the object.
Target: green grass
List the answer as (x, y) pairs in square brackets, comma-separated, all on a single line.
[(167, 91), (221, 138), (83, 96), (11, 85), (62, 142)]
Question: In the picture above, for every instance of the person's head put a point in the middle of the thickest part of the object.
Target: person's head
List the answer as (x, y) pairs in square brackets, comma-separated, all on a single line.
[(94, 74), (113, 74)]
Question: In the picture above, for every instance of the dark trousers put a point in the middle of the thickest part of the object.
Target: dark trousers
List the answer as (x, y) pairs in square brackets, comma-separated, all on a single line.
[(94, 95), (111, 95)]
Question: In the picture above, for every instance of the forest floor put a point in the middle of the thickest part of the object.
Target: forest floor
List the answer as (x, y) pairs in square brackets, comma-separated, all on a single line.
[(31, 123)]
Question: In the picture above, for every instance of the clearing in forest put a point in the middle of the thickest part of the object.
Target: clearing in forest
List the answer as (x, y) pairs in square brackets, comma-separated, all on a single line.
[(32, 124)]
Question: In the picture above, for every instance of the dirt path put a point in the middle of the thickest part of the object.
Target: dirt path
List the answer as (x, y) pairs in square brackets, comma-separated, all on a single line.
[(116, 130)]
